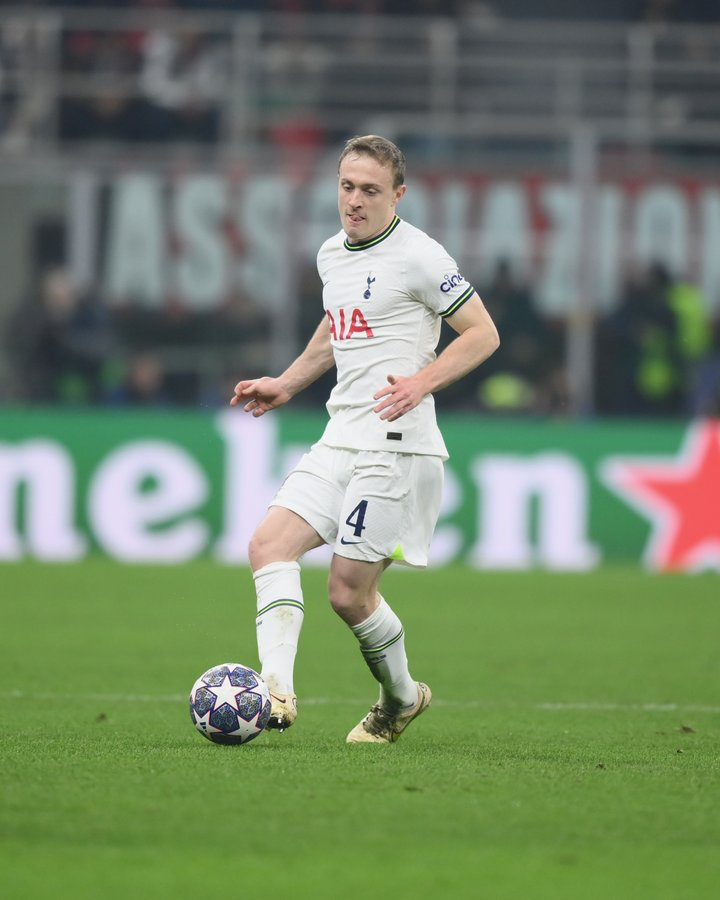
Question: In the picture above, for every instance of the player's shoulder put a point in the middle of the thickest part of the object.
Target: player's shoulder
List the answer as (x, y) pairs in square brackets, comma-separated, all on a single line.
[(334, 242), (431, 271), (427, 261), (329, 250), (418, 243)]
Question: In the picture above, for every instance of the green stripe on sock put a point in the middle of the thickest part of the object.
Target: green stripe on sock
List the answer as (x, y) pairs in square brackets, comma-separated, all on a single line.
[(275, 603), (383, 646)]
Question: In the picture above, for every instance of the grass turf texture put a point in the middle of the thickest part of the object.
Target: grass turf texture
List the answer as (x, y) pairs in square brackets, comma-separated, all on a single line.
[(557, 760)]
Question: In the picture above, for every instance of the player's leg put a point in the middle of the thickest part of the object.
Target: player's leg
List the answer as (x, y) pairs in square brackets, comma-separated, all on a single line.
[(389, 511), (354, 596), (353, 592), (277, 545), (303, 515)]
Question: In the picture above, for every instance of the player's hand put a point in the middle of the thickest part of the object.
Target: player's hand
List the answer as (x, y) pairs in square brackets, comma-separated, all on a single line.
[(259, 395), (400, 396)]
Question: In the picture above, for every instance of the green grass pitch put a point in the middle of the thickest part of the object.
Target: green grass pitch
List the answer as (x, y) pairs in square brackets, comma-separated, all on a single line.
[(571, 750)]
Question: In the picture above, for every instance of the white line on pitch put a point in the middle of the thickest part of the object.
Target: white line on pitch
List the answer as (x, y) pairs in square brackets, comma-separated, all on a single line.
[(334, 701)]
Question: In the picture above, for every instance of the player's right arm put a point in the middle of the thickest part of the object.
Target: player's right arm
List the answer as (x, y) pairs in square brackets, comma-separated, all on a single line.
[(260, 395)]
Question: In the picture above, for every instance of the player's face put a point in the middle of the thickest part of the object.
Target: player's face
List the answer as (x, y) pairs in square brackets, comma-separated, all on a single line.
[(366, 197)]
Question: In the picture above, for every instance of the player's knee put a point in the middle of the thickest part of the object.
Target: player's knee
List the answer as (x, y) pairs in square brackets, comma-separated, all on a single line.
[(347, 598), (261, 549), (255, 552), (339, 594)]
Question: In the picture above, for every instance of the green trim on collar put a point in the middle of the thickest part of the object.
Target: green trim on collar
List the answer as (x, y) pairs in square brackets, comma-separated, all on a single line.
[(365, 245)]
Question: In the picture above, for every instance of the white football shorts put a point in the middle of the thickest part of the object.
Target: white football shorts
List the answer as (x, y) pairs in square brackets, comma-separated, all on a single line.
[(368, 505)]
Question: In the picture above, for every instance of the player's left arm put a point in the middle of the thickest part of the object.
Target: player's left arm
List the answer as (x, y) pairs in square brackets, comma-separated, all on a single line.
[(477, 340)]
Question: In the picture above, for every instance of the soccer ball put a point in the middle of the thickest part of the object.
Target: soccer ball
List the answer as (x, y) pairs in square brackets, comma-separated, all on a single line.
[(230, 704)]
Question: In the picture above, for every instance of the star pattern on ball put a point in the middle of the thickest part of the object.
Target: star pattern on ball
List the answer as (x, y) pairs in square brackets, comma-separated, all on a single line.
[(680, 495), (230, 704)]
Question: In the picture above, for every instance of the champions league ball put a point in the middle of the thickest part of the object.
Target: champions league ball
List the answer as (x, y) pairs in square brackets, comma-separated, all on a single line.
[(230, 704)]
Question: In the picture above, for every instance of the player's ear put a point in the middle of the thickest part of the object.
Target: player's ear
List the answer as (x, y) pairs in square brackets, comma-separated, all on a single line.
[(400, 192)]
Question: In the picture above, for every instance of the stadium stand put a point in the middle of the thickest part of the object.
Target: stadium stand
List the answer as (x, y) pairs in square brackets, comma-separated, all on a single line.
[(620, 93)]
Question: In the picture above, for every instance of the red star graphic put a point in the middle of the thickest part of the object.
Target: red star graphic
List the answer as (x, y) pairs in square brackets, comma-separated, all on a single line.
[(681, 497)]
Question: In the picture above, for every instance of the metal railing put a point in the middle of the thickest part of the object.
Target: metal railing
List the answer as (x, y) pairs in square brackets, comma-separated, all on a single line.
[(264, 78)]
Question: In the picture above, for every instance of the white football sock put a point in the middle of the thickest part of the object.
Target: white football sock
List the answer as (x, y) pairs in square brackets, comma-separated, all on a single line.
[(382, 643), (279, 620)]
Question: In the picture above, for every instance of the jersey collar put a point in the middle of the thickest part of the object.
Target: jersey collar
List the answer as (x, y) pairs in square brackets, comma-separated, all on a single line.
[(372, 242)]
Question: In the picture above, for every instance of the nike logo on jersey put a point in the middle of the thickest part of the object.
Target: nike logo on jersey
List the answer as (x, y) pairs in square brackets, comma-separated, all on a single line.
[(343, 541)]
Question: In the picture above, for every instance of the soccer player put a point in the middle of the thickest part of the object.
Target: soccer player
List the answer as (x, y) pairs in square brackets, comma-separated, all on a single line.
[(371, 486)]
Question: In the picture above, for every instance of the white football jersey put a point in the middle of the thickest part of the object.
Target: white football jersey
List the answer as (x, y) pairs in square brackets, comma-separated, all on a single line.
[(384, 299)]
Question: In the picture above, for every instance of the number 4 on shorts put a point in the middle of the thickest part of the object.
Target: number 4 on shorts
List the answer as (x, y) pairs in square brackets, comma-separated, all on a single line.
[(357, 522)]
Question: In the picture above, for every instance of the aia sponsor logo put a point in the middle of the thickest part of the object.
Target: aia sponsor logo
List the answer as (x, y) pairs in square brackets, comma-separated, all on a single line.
[(346, 326)]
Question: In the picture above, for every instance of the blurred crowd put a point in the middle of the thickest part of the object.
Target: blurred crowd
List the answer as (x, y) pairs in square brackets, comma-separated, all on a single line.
[(153, 84), (657, 353), (159, 85), (69, 347), (608, 10)]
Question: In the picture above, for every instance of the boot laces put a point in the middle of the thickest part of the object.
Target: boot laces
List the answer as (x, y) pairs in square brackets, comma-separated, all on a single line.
[(379, 721)]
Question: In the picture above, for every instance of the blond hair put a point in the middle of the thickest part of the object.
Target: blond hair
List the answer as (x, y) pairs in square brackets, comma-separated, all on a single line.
[(381, 149)]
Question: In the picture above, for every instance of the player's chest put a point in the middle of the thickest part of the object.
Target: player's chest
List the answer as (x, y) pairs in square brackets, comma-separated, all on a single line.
[(378, 290)]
